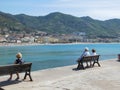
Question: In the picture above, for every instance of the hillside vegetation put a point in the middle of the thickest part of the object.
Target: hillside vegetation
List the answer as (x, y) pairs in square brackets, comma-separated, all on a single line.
[(59, 23)]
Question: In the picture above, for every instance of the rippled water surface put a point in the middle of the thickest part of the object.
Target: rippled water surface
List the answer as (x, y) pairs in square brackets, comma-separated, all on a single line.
[(49, 56)]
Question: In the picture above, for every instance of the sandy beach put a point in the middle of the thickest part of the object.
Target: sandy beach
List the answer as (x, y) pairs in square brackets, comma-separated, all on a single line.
[(106, 77)]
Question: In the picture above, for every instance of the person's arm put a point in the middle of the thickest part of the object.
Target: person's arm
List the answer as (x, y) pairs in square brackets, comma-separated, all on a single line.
[(83, 54)]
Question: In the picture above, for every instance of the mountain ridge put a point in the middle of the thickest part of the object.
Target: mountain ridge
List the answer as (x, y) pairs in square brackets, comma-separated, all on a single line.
[(59, 23)]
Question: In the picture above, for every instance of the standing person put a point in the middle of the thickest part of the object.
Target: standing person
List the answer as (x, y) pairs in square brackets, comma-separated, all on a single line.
[(17, 61), (93, 52), (85, 53)]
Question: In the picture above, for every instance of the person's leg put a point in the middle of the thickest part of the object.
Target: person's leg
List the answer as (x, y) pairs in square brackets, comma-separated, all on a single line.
[(90, 63), (10, 76), (87, 64), (17, 75)]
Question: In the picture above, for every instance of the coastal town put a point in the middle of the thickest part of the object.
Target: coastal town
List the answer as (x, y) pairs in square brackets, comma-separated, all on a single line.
[(44, 38)]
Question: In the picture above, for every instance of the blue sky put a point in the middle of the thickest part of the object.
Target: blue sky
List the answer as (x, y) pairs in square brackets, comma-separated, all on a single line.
[(97, 9)]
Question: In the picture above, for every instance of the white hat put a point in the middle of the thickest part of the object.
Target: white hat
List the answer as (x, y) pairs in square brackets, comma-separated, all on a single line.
[(86, 48)]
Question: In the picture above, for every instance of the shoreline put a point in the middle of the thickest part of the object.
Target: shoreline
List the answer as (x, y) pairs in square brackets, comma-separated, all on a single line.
[(34, 44), (105, 77)]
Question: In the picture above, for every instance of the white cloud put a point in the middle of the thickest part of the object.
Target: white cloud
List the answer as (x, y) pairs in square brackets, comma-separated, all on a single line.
[(105, 14)]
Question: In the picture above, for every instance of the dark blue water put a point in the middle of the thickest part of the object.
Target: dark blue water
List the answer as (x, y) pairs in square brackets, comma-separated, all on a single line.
[(50, 56)]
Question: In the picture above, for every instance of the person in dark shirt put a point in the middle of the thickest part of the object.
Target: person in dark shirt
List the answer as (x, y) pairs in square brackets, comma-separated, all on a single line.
[(17, 61)]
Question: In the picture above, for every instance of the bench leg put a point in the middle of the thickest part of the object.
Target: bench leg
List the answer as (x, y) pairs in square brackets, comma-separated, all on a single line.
[(97, 63), (80, 65), (93, 64), (27, 73)]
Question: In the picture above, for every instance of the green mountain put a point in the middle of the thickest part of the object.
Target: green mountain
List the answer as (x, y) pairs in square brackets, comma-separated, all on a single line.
[(59, 23)]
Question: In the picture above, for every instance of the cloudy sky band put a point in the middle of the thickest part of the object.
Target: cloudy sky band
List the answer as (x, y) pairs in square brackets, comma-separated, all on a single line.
[(97, 9)]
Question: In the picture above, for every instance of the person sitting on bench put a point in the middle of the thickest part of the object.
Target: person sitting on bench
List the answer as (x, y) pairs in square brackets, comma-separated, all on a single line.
[(17, 61), (85, 53)]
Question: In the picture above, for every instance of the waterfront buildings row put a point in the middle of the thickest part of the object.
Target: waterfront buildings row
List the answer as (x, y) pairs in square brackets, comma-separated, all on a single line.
[(43, 37)]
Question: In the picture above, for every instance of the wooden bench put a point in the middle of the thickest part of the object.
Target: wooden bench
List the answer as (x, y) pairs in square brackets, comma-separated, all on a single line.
[(91, 59), (13, 68)]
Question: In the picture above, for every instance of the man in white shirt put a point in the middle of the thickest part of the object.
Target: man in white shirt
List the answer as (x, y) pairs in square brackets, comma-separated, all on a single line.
[(85, 53)]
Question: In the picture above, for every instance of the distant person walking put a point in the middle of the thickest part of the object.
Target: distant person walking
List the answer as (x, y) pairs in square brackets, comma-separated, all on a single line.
[(17, 61)]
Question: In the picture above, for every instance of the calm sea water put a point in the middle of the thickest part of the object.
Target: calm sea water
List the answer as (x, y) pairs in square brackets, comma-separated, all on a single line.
[(49, 56)]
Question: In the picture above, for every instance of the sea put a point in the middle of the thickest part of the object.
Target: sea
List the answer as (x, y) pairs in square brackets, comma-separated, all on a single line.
[(55, 55)]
